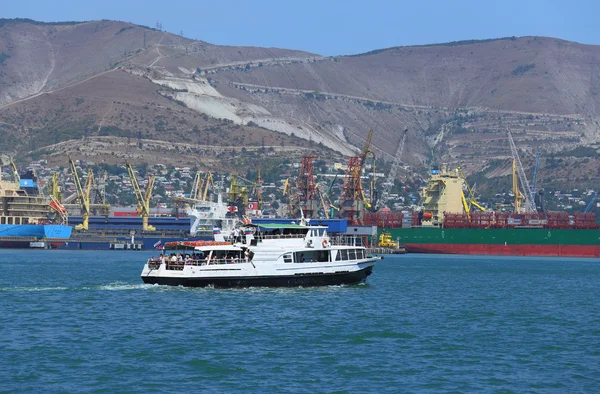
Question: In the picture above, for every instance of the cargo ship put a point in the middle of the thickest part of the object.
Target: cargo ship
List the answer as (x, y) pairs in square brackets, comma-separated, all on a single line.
[(28, 219), (125, 232), (445, 224)]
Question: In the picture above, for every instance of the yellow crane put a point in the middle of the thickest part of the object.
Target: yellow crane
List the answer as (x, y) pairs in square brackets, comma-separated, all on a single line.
[(237, 191), (196, 186), (472, 200), (55, 189), (15, 171), (143, 198), (207, 182), (83, 194), (519, 197)]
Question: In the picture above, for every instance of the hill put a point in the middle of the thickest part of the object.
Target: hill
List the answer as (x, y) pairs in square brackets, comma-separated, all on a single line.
[(114, 89)]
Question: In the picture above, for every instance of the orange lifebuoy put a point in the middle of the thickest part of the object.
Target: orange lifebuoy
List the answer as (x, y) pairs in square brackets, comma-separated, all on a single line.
[(324, 243)]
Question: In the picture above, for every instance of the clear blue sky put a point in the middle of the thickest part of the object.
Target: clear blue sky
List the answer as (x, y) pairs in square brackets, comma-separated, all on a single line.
[(333, 27)]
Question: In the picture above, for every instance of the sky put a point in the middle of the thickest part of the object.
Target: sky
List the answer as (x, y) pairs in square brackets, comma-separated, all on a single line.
[(332, 27)]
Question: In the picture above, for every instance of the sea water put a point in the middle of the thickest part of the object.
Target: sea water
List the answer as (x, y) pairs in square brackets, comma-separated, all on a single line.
[(83, 321)]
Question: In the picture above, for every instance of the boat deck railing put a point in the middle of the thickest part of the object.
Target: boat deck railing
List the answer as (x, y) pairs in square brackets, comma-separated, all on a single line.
[(347, 240), (179, 265), (281, 236)]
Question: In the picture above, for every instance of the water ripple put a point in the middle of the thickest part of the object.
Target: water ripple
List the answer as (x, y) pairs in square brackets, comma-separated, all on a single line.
[(421, 324)]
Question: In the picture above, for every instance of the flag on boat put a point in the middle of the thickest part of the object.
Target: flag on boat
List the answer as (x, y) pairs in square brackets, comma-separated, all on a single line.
[(216, 230), (158, 243), (232, 209)]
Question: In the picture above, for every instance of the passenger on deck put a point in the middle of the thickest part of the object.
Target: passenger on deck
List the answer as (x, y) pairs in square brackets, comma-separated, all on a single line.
[(179, 258), (161, 257), (173, 258)]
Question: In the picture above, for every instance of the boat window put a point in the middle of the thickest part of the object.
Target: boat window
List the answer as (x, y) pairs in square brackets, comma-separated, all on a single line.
[(287, 258), (25, 220), (10, 220), (338, 255), (312, 256), (352, 254), (344, 254), (360, 254), (3, 220)]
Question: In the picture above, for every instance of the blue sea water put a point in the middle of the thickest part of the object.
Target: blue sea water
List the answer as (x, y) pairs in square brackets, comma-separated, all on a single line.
[(83, 321)]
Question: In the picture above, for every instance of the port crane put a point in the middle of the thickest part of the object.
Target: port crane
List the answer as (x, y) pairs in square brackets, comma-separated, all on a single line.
[(55, 189), (239, 193), (143, 198), (83, 193), (352, 191), (591, 203), (389, 182), (534, 181), (528, 204), (15, 171)]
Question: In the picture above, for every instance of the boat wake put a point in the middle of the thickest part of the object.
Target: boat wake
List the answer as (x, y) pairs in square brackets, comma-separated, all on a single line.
[(28, 289), (119, 286)]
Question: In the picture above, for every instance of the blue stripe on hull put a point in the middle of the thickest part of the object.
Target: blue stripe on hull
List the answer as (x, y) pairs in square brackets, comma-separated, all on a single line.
[(346, 278), (35, 230)]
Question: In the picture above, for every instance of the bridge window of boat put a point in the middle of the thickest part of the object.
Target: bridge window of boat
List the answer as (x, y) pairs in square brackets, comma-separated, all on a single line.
[(350, 254), (287, 258), (312, 256)]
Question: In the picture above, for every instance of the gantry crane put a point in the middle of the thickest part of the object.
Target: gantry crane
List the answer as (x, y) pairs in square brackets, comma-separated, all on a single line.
[(143, 198), (389, 183), (83, 194)]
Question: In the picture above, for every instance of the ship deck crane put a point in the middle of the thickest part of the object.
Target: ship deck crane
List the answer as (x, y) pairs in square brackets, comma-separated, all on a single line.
[(389, 182), (529, 205), (83, 194), (143, 198), (472, 200)]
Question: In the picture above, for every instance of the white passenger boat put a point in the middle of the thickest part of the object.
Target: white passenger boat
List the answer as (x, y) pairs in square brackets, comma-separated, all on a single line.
[(266, 255)]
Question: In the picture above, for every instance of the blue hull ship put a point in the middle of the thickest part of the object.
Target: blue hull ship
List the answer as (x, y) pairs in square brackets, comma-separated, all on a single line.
[(28, 218), (39, 231)]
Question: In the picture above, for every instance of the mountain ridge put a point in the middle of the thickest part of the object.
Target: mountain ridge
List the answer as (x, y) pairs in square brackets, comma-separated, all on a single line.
[(456, 98)]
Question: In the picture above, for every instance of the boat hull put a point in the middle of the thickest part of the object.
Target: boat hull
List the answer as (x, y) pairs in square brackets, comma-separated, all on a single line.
[(298, 280), (502, 242), (508, 250)]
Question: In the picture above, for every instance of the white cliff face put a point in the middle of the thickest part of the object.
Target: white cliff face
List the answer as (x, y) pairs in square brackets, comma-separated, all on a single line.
[(31, 63), (198, 94)]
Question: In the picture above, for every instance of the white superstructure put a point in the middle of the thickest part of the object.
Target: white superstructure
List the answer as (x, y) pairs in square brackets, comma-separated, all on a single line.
[(287, 255)]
